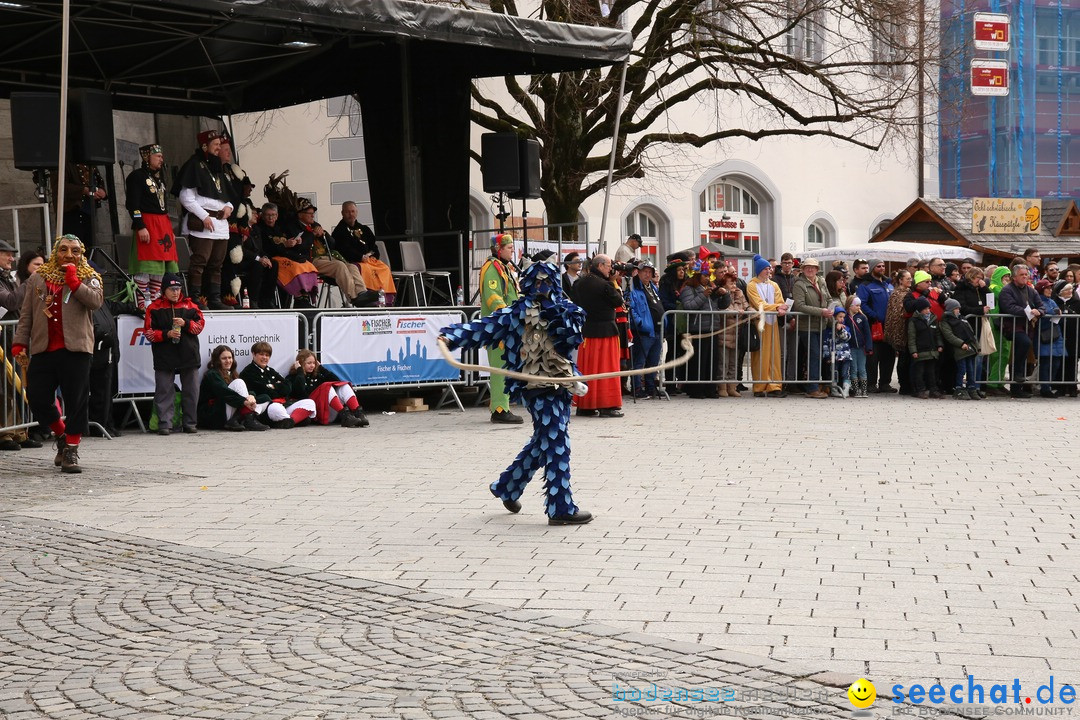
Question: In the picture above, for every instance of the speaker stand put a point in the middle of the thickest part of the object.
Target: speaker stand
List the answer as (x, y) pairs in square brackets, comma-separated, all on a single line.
[(525, 226), (41, 184), (502, 214)]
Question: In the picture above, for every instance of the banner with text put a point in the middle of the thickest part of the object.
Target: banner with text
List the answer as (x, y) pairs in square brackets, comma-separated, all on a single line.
[(384, 349), (135, 368)]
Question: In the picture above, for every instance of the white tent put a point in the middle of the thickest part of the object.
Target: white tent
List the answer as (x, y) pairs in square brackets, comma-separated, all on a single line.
[(892, 251)]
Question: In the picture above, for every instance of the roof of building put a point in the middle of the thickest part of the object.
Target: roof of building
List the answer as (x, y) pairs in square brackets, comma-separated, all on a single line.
[(948, 221)]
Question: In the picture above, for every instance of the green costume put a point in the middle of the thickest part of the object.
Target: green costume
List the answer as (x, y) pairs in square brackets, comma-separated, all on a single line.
[(498, 288), (999, 361)]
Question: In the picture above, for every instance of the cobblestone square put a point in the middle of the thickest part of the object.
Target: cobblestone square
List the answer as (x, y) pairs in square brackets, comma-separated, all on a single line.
[(332, 573)]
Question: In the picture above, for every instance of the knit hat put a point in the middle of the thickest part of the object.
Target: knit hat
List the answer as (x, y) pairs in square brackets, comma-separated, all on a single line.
[(921, 276), (951, 305), (921, 304), (874, 262), (838, 309), (951, 267), (171, 280), (760, 264)]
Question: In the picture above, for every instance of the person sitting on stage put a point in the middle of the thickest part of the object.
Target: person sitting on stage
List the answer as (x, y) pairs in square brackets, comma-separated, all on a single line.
[(290, 254), (269, 386), (224, 400), (356, 243), (334, 398), (153, 251), (329, 262)]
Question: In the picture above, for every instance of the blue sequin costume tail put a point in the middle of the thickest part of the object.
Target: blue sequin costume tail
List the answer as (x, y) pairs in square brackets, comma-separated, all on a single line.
[(549, 406)]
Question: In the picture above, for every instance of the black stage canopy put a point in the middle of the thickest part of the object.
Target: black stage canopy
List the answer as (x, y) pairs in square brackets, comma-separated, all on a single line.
[(410, 65), (215, 57)]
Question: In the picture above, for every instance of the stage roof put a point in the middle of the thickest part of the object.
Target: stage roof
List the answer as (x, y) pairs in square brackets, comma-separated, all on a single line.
[(215, 57)]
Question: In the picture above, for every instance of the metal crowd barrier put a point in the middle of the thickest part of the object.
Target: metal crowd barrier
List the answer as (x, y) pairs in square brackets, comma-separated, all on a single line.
[(449, 391), (1052, 356), (798, 346), (14, 409)]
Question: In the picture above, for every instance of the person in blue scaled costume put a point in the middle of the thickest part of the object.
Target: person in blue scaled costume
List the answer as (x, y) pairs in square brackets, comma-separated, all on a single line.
[(540, 330)]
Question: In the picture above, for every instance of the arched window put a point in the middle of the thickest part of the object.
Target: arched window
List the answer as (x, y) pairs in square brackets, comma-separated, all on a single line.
[(646, 226), (815, 236), (726, 196)]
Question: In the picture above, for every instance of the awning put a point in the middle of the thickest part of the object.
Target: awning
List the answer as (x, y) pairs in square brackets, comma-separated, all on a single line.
[(215, 57), (893, 251)]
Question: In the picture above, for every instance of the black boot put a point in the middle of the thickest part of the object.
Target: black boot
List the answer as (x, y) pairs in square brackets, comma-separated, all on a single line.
[(213, 300), (368, 298)]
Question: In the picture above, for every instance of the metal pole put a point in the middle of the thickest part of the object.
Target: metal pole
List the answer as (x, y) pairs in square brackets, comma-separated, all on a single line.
[(921, 149), (611, 160), (61, 162)]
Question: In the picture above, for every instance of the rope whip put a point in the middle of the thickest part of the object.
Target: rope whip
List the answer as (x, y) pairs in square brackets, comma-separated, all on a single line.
[(684, 343)]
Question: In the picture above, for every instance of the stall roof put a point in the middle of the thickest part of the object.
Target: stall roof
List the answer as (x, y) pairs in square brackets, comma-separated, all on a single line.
[(215, 57), (948, 222)]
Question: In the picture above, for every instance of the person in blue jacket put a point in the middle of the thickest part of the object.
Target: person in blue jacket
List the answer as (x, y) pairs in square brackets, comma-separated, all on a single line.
[(861, 344), (874, 293), (646, 315)]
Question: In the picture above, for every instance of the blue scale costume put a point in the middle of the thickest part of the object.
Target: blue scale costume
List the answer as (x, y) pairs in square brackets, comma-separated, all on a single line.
[(540, 330)]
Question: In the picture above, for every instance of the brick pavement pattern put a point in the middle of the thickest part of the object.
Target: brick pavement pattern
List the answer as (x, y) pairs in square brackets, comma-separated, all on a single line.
[(886, 537), (99, 626)]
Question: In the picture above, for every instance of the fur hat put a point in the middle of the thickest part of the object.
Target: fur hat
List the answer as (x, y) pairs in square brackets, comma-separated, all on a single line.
[(207, 135)]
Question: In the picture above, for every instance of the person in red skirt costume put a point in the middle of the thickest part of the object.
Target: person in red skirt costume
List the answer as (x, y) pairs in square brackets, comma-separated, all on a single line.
[(599, 353), (153, 253)]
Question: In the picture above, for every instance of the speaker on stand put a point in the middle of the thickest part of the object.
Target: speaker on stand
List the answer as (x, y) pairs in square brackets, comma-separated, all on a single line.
[(528, 181)]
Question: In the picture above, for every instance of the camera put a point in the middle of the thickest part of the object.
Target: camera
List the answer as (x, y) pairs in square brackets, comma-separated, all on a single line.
[(624, 268)]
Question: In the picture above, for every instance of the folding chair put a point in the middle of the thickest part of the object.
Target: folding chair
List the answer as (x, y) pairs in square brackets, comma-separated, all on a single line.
[(410, 277), (412, 260)]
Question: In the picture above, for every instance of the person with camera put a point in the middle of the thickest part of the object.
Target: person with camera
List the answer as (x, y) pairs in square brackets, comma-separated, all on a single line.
[(599, 353), (173, 324)]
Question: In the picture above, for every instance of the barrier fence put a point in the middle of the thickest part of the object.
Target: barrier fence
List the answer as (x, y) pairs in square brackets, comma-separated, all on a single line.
[(1049, 348), (395, 348)]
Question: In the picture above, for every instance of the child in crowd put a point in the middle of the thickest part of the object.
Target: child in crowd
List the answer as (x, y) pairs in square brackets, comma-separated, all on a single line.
[(924, 345), (861, 344), (957, 333), (334, 398), (224, 400), (1051, 344), (172, 326), (836, 346), (270, 388)]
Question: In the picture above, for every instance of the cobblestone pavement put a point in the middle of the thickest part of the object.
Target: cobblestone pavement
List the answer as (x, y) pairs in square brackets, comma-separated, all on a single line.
[(97, 625), (901, 540)]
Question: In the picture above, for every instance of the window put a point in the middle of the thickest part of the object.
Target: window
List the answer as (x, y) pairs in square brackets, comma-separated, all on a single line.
[(805, 37), (888, 46), (815, 236), (728, 197)]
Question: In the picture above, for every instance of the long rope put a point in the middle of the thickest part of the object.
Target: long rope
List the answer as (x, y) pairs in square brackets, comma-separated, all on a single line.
[(684, 343)]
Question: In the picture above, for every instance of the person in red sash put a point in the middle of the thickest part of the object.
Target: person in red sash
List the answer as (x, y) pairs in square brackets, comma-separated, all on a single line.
[(600, 351), (153, 251), (334, 398)]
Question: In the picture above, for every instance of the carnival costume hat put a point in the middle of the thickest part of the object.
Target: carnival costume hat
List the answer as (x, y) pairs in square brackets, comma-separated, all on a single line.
[(207, 136), (147, 150), (52, 271), (498, 241)]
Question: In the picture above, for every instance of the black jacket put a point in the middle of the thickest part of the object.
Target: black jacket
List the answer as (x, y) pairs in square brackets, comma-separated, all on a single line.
[(169, 355), (266, 385), (1013, 300), (598, 298), (353, 243)]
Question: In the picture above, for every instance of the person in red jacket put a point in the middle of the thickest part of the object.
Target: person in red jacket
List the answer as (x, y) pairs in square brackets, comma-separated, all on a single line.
[(56, 326), (173, 324)]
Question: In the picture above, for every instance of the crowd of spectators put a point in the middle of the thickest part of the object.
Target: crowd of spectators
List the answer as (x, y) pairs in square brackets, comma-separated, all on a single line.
[(930, 329)]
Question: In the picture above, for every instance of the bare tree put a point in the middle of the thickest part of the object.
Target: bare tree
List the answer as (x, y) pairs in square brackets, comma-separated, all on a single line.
[(841, 69)]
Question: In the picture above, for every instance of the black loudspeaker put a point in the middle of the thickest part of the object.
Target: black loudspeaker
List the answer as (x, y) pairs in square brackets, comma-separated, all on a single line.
[(500, 162), (529, 166), (90, 126), (35, 129)]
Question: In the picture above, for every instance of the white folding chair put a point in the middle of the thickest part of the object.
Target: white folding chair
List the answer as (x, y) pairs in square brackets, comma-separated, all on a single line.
[(411, 278), (412, 260)]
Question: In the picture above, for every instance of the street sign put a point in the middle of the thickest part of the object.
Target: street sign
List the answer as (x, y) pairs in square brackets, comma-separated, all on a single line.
[(990, 77), (991, 31)]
